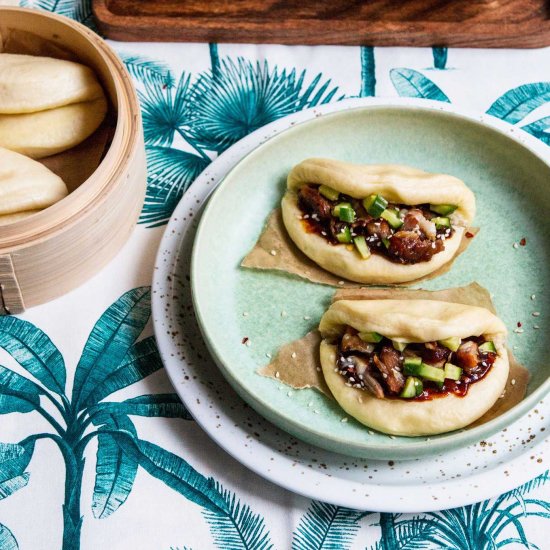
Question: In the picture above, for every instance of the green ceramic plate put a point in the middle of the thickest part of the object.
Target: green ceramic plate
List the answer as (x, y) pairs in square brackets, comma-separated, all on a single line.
[(505, 169)]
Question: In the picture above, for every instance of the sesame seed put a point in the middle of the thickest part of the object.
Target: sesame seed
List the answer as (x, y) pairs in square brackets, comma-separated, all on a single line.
[(306, 216), (283, 313), (533, 296), (536, 327), (392, 436), (324, 233), (341, 283), (371, 432), (293, 355), (344, 419), (307, 317), (268, 355), (277, 375), (273, 253), (518, 330), (352, 380), (513, 382), (310, 404), (516, 245), (245, 313), (535, 313), (316, 411), (248, 343), (514, 347), (318, 369), (289, 394), (384, 375), (348, 384)]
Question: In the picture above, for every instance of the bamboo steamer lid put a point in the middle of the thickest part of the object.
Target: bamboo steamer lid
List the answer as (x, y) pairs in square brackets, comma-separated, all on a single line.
[(48, 254)]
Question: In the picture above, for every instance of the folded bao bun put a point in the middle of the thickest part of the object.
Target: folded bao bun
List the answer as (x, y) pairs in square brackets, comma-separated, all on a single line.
[(415, 321), (398, 184)]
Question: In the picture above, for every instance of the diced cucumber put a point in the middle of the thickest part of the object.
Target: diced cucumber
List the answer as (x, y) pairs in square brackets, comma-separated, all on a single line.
[(370, 337), (442, 223), (345, 212), (452, 343), (392, 217), (443, 209), (452, 372), (410, 388), (399, 346), (488, 347), (386, 242), (344, 236), (375, 205), (411, 365), (362, 247), (328, 192), (419, 386), (431, 373)]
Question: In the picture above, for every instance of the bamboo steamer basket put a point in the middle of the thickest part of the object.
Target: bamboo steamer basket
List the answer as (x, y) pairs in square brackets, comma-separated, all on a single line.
[(56, 250)]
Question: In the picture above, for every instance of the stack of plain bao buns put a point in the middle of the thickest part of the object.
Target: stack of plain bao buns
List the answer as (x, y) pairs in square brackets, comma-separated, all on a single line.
[(47, 106), (45, 255)]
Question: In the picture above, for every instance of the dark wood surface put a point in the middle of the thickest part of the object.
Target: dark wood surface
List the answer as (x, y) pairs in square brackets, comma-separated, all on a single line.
[(462, 23)]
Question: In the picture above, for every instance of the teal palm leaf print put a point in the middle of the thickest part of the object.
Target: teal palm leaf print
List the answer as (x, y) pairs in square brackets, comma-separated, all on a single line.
[(411, 83), (517, 103), (115, 469), (147, 71), (440, 57), (170, 172), (79, 10), (239, 528), (188, 123), (7, 540), (326, 527), (368, 72), (115, 356), (539, 129), (165, 109), (237, 97)]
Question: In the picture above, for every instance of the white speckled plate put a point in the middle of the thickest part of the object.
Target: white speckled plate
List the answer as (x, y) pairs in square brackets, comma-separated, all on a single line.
[(456, 478)]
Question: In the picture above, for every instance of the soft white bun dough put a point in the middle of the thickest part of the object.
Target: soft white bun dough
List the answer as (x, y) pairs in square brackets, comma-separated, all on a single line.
[(400, 184), (414, 321)]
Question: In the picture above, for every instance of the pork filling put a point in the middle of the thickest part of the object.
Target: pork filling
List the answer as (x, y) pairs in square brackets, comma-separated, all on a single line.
[(371, 362), (402, 233)]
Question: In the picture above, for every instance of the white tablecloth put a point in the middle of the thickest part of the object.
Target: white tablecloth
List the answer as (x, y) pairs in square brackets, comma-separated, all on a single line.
[(64, 484)]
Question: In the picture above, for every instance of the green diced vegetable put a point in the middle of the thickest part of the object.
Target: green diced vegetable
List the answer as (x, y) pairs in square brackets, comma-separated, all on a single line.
[(362, 247), (345, 212), (419, 386), (375, 205), (344, 236), (410, 388), (452, 372), (452, 343), (392, 217), (411, 365), (488, 347), (431, 373), (386, 242), (371, 337), (442, 223), (328, 192), (443, 209), (399, 346)]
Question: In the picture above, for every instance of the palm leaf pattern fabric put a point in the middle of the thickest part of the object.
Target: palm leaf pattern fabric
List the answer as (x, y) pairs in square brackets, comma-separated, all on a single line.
[(96, 449)]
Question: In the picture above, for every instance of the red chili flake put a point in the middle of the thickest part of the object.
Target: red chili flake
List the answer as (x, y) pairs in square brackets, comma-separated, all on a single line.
[(244, 340), (519, 324), (469, 235), (523, 241)]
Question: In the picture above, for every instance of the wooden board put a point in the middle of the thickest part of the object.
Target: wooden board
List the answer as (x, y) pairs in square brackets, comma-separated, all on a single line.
[(470, 23)]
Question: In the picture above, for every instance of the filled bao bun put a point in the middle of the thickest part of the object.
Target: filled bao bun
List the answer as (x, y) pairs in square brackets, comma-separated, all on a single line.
[(414, 321), (397, 184)]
